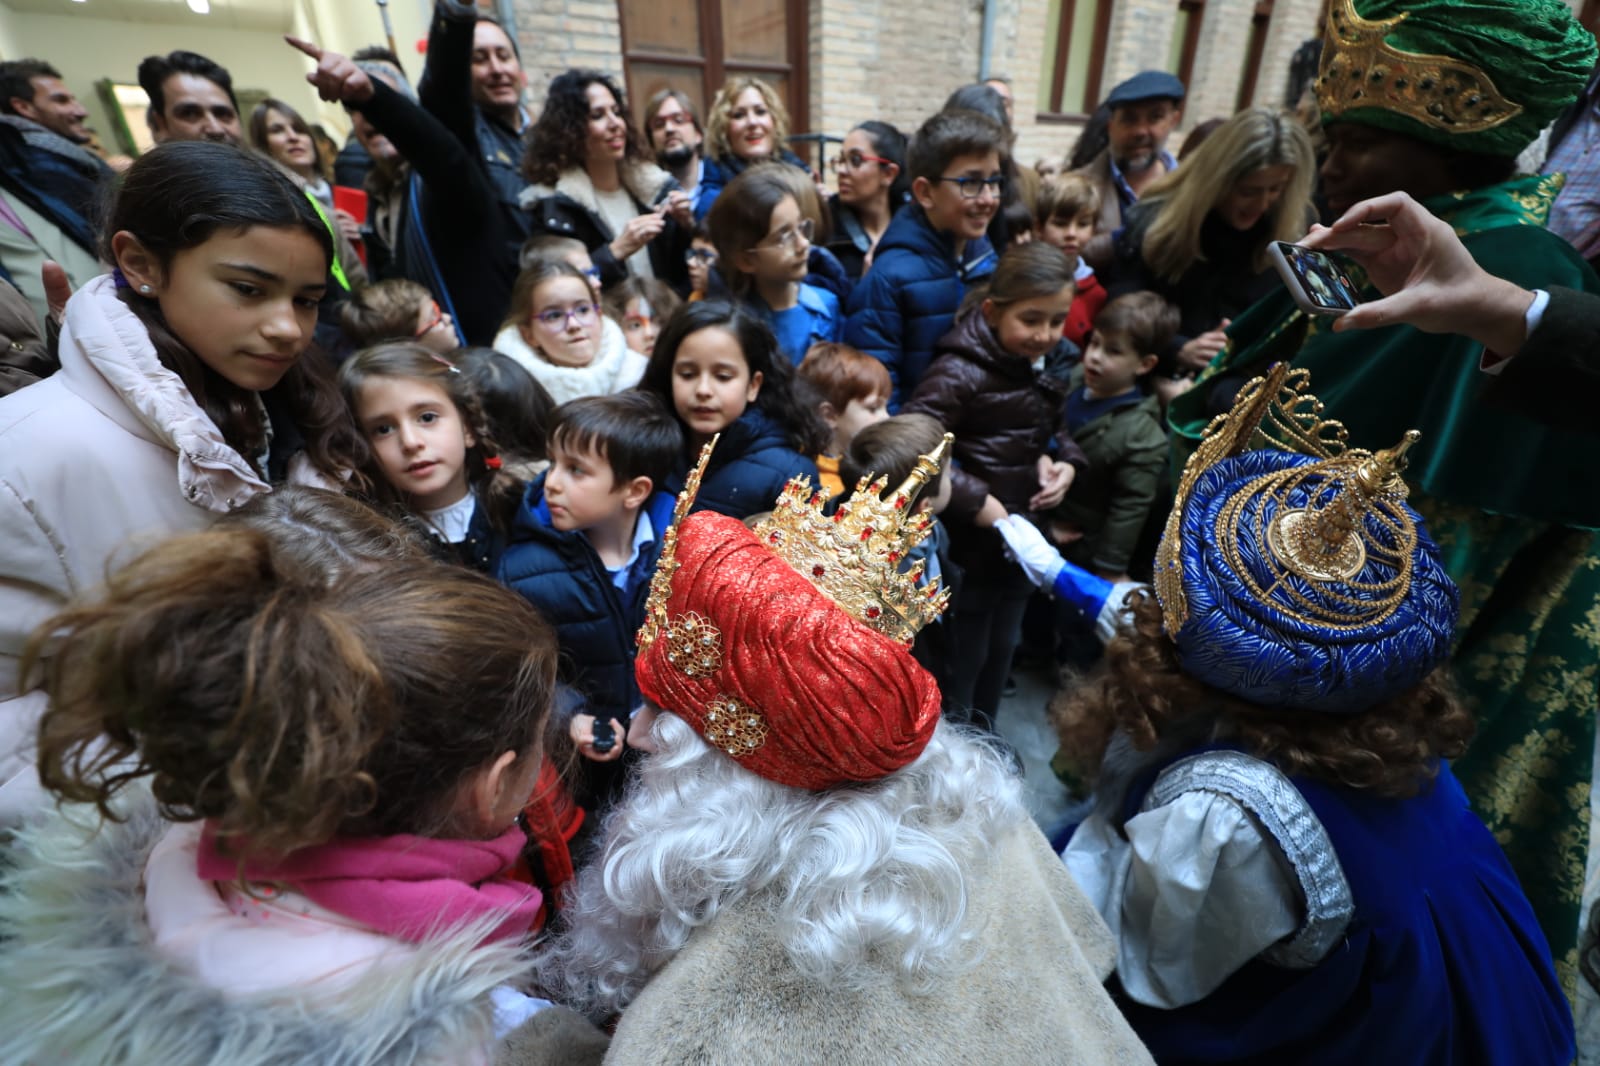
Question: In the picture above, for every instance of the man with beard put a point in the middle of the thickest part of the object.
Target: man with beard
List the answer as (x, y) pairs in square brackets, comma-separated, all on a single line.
[(675, 136), (191, 99), (1144, 111)]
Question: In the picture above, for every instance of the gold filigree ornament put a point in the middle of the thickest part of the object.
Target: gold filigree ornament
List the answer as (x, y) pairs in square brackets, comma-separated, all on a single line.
[(1360, 69), (734, 727), (855, 556), (1326, 541), (655, 605), (694, 645)]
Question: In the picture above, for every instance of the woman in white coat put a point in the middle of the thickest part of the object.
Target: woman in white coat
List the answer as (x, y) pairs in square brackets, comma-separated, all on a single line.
[(182, 393)]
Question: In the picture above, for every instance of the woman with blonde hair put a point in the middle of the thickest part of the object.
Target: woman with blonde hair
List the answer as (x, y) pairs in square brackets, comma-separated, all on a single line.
[(1199, 236), (747, 124)]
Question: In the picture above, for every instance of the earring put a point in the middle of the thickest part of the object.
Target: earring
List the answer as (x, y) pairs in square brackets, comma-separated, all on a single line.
[(144, 290)]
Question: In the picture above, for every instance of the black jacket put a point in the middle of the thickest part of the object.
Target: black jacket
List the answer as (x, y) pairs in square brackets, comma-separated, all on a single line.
[(1555, 378), (570, 209)]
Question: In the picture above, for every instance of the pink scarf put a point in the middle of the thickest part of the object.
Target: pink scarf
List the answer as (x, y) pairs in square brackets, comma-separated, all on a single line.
[(405, 886)]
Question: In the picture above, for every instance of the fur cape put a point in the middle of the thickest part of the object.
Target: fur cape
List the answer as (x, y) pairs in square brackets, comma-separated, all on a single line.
[(81, 980), (1035, 994), (644, 182)]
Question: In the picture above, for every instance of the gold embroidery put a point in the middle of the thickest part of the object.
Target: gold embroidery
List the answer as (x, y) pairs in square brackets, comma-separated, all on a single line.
[(694, 645), (737, 729)]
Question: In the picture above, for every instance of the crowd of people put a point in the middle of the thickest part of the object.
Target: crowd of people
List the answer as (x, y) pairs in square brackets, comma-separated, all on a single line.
[(538, 585)]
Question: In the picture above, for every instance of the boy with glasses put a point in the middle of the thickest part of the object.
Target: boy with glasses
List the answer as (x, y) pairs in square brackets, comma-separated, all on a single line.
[(933, 249)]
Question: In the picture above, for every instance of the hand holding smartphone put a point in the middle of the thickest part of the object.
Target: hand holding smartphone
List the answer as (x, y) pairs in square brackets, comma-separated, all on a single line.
[(1318, 282)]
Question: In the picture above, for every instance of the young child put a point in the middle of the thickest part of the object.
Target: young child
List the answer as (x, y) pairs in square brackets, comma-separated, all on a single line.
[(853, 391), (989, 386), (718, 367), (1291, 869), (554, 328), (429, 450), (763, 239), (548, 248), (1116, 420), (396, 310), (582, 550), (641, 306), (701, 258), (933, 249), (1066, 212), (516, 408), (295, 810), (1019, 223)]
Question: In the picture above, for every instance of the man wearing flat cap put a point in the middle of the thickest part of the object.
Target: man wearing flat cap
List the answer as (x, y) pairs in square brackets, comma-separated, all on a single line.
[(1144, 111)]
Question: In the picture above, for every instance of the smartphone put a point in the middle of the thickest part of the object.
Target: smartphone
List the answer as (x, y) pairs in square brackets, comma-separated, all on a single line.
[(1318, 282), (605, 736)]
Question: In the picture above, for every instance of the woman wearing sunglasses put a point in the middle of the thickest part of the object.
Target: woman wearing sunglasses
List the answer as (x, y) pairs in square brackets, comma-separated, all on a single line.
[(871, 172)]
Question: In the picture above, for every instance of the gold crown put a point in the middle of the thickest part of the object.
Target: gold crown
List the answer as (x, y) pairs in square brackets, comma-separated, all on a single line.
[(1360, 69), (1327, 540), (655, 605), (855, 556)]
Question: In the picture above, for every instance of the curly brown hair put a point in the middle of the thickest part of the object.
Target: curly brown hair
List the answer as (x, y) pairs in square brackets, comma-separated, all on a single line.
[(559, 140), (1391, 748)]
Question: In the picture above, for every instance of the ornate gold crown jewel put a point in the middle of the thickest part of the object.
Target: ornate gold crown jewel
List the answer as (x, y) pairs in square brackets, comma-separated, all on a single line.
[(1360, 69), (655, 606), (1326, 540), (855, 556)]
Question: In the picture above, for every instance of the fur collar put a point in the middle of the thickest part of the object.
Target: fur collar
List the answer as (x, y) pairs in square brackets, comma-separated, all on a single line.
[(643, 181), (615, 367), (81, 981)]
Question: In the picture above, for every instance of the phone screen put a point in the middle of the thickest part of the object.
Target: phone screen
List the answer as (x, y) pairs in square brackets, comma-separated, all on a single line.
[(1322, 281)]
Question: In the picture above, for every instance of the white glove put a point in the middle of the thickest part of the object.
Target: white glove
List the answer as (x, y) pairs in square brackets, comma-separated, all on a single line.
[(1110, 620), (1025, 544)]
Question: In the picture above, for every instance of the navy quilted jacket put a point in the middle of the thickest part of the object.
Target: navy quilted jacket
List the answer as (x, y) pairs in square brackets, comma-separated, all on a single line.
[(751, 464), (562, 576), (908, 299)]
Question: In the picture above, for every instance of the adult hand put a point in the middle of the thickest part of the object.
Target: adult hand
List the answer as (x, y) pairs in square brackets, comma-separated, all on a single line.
[(1055, 478), (581, 731), (1428, 278), (1197, 352), (337, 78), (990, 514), (640, 231), (349, 228), (1024, 543), (681, 208), (57, 289)]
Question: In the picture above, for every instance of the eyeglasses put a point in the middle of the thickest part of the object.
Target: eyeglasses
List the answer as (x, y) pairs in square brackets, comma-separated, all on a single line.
[(593, 274), (973, 188), (661, 122), (789, 237), (857, 160), (699, 255), (557, 319), (433, 323)]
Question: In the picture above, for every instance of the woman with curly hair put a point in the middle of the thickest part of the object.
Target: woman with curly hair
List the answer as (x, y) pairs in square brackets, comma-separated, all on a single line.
[(1291, 870), (592, 179), (747, 124)]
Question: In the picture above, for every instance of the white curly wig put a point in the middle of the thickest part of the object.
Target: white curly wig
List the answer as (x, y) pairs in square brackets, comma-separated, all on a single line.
[(877, 869)]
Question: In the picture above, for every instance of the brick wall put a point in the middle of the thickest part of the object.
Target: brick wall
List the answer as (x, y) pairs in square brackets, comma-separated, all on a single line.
[(555, 35)]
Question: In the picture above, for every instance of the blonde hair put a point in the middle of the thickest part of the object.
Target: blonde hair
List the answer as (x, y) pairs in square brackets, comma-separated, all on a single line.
[(1249, 141), (1066, 196), (717, 121)]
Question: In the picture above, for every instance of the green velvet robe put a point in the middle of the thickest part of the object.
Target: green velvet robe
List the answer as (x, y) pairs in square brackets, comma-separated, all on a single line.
[(1512, 504)]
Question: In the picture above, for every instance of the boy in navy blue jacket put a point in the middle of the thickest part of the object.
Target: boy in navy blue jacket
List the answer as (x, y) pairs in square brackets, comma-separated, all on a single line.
[(933, 249), (582, 550)]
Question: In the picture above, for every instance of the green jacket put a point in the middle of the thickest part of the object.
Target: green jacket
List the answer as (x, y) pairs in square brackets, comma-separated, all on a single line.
[(1109, 501)]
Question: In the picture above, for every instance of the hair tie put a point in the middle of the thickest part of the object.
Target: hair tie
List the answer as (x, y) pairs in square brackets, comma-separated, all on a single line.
[(493, 462), (119, 279), (442, 361)]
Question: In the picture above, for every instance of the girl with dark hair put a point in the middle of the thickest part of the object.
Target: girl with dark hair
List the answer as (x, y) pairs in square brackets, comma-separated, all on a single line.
[(592, 179), (429, 451), (873, 185), (719, 368), (516, 408), (185, 389)]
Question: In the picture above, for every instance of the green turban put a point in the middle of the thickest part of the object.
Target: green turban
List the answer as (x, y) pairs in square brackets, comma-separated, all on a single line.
[(1471, 75)]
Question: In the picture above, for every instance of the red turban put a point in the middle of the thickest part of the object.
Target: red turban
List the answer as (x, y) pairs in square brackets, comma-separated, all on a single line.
[(767, 668)]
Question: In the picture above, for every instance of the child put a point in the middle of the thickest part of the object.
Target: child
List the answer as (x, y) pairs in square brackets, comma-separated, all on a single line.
[(1019, 222), (641, 306), (933, 249), (1291, 869), (988, 386), (1066, 212), (701, 259), (582, 550), (854, 391), (548, 248), (889, 449), (718, 367), (516, 408), (1116, 420), (763, 238), (556, 331), (305, 805), (396, 310), (429, 450)]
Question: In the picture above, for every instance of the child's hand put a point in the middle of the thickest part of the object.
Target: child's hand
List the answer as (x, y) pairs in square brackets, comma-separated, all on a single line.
[(1055, 478), (581, 730)]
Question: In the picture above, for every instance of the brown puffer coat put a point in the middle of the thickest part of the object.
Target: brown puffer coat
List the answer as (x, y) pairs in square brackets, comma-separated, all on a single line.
[(25, 355), (1003, 412)]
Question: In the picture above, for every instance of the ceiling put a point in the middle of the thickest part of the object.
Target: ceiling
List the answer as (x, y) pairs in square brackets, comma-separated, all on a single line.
[(272, 15)]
